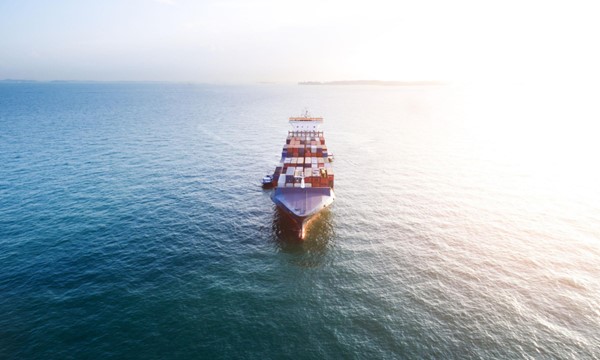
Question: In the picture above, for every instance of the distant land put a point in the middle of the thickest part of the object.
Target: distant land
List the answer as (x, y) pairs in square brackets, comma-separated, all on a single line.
[(372, 82), (18, 81), (25, 81)]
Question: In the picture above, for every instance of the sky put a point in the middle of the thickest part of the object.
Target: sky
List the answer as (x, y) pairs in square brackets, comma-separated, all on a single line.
[(237, 41)]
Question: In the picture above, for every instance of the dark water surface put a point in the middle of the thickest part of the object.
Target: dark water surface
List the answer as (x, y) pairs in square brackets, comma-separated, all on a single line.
[(132, 226)]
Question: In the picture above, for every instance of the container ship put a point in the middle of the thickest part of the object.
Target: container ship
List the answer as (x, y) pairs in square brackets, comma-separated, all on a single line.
[(303, 180)]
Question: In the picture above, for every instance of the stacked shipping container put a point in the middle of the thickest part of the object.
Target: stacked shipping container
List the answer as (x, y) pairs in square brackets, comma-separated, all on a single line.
[(304, 155)]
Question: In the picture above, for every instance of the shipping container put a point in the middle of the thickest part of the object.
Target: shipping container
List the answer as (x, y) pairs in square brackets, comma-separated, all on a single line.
[(281, 181)]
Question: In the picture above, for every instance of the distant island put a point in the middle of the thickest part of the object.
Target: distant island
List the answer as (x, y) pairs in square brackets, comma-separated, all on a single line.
[(373, 82), (26, 81), (18, 81)]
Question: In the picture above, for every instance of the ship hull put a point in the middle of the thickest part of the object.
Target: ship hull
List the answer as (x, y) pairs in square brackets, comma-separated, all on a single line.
[(303, 205)]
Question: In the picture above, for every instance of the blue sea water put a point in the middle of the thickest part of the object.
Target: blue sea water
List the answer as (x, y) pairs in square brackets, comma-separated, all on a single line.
[(132, 225)]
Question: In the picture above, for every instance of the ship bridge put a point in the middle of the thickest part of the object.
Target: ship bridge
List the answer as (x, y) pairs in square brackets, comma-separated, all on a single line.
[(306, 123)]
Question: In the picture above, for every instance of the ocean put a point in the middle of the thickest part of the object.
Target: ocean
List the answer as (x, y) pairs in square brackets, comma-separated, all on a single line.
[(132, 224)]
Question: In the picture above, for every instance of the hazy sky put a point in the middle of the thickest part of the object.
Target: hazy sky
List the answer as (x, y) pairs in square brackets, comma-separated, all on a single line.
[(286, 41)]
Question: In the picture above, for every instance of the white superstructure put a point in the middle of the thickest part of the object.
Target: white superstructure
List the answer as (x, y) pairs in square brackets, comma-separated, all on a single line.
[(306, 122)]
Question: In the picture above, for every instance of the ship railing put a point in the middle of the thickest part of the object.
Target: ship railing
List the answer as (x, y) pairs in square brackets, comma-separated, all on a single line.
[(305, 132)]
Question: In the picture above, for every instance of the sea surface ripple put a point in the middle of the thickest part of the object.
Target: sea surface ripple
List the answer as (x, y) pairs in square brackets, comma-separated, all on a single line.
[(132, 226)]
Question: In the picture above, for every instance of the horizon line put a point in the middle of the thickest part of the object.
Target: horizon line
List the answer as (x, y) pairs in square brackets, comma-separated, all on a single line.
[(263, 82)]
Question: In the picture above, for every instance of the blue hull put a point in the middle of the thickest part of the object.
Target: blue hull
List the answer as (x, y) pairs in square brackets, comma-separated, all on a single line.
[(302, 204)]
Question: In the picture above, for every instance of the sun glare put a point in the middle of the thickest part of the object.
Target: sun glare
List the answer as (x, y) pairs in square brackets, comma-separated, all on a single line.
[(547, 131)]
